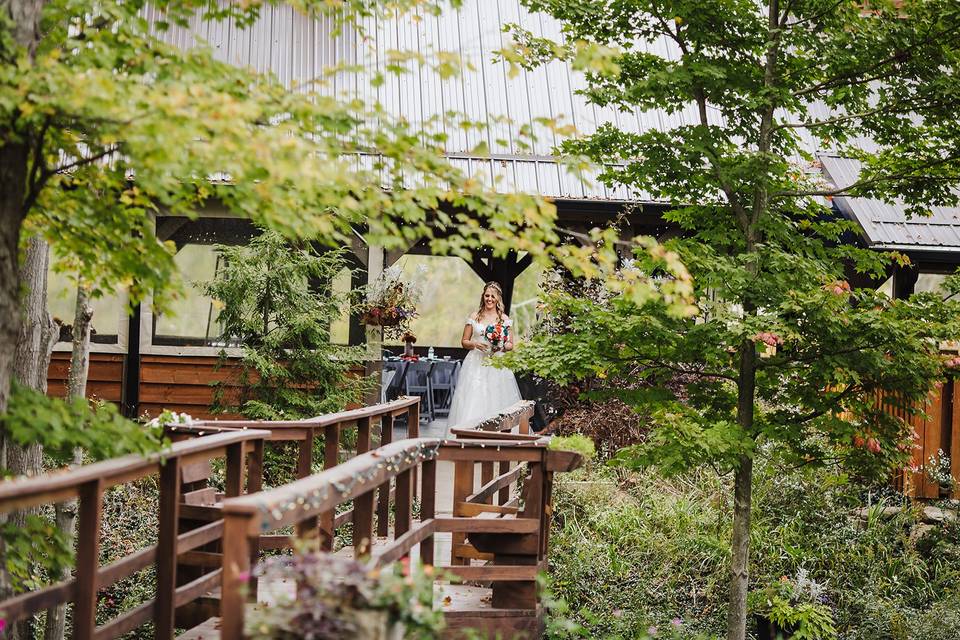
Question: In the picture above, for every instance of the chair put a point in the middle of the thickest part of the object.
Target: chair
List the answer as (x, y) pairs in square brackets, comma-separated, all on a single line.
[(385, 382), (416, 382), (391, 386), (443, 381)]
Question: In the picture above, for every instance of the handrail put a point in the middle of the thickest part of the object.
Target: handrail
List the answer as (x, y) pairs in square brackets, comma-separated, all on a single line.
[(57, 486), (326, 490), (517, 414), (87, 484), (400, 405)]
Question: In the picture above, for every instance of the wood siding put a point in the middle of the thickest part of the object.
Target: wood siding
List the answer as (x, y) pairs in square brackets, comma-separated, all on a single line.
[(104, 381)]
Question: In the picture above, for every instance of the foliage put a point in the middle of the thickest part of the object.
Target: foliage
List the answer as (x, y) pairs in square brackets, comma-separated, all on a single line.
[(391, 303), (277, 305), (64, 425), (630, 550), (779, 348), (576, 442), (797, 604), (338, 597), (33, 551)]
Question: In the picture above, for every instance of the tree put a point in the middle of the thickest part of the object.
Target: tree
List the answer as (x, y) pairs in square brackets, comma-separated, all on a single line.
[(778, 348), (278, 306)]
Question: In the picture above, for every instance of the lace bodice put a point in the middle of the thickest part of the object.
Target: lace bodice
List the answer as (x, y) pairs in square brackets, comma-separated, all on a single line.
[(479, 327)]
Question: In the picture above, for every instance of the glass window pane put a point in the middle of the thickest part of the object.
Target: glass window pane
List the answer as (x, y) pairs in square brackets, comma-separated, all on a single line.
[(108, 312), (192, 316), (340, 328)]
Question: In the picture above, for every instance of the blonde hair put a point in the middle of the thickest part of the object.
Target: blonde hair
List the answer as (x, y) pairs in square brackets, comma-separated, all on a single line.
[(495, 286)]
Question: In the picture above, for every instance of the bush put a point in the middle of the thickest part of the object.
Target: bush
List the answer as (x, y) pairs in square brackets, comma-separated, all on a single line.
[(635, 550)]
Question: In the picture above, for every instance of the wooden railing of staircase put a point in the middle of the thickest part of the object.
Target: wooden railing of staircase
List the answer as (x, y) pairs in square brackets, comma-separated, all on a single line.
[(509, 537), (87, 484), (308, 434), (329, 427)]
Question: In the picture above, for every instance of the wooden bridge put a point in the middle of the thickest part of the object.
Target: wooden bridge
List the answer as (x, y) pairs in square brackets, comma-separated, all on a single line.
[(472, 520)]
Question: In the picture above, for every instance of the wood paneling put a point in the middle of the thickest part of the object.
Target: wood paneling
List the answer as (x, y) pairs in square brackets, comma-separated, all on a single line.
[(104, 380), (183, 383)]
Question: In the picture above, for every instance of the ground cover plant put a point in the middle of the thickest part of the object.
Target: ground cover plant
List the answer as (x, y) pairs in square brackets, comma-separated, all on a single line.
[(636, 551)]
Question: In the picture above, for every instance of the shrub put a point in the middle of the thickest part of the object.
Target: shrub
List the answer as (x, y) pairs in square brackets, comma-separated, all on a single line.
[(634, 550)]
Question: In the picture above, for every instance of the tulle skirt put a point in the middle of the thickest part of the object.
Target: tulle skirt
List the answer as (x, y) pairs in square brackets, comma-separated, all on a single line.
[(482, 390)]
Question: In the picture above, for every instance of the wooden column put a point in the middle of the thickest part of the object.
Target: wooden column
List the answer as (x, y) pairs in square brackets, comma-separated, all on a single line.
[(88, 560), (166, 563)]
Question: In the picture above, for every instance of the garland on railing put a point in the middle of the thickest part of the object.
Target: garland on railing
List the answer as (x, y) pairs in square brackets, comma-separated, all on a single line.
[(500, 418), (422, 453)]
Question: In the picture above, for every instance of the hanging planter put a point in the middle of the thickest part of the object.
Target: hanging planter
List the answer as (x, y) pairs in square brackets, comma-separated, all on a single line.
[(391, 303)]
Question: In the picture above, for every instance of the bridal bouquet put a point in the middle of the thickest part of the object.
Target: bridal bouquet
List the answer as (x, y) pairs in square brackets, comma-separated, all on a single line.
[(497, 335)]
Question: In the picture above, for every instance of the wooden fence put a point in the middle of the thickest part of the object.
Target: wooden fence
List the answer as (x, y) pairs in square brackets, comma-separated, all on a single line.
[(87, 484)]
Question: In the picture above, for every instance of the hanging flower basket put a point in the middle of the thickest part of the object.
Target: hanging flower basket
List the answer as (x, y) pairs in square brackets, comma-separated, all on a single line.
[(383, 316)]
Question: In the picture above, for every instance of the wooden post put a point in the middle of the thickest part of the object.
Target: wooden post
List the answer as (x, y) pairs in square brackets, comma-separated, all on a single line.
[(234, 482), (88, 560), (383, 493), (363, 435), (402, 520), (305, 455), (428, 506), (503, 496), (486, 475), (254, 484), (462, 487), (166, 562), (362, 524), (413, 431), (236, 568), (331, 455)]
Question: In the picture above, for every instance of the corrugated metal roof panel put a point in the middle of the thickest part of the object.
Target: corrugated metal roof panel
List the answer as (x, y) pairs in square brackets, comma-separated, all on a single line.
[(297, 49), (887, 224)]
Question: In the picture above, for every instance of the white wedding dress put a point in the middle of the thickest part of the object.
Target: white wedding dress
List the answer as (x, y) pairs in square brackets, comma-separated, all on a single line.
[(482, 389)]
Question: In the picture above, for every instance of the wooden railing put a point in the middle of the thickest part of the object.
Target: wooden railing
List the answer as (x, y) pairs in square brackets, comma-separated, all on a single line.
[(329, 427), (509, 537), (303, 502), (87, 484)]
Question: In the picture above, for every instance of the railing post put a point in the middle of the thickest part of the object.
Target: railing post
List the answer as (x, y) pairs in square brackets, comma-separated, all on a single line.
[(462, 487), (362, 524), (88, 559), (383, 493), (402, 519), (363, 435), (413, 431), (486, 475), (305, 455), (233, 486), (236, 569), (166, 562), (254, 484), (428, 506), (503, 496), (331, 456)]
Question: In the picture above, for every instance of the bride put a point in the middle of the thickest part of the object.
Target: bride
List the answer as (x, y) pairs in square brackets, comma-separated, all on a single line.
[(484, 390)]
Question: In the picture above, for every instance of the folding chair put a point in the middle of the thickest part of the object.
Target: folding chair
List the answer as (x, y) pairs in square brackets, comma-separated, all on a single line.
[(442, 382), (416, 382), (386, 380)]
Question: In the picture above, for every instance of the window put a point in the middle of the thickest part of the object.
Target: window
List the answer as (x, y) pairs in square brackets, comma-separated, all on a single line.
[(192, 317), (108, 311)]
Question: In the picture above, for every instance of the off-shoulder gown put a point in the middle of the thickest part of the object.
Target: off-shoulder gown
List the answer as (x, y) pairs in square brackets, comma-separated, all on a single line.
[(482, 390)]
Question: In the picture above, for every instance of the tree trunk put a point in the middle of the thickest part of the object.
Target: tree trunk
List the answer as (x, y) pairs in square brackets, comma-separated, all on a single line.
[(34, 345), (13, 179), (66, 512), (742, 500)]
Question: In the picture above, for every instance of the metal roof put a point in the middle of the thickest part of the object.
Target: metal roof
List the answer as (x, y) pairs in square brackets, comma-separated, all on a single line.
[(887, 225), (297, 49)]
